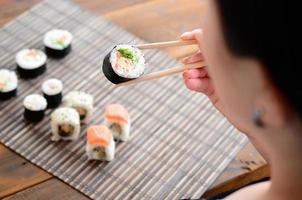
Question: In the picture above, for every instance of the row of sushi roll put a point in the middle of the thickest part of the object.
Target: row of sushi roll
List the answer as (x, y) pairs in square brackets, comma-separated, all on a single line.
[(33, 62), (65, 121), (100, 145), (35, 105)]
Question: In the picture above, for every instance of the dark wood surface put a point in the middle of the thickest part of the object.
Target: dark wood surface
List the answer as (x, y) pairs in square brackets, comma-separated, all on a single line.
[(153, 21)]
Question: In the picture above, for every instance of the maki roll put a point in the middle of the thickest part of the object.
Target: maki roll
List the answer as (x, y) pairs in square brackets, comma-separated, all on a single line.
[(34, 107), (31, 63), (57, 43), (52, 91), (117, 120), (123, 63), (8, 84), (80, 101), (100, 144), (65, 124)]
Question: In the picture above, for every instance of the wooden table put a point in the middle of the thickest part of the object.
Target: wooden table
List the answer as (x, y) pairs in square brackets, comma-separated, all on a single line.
[(153, 20)]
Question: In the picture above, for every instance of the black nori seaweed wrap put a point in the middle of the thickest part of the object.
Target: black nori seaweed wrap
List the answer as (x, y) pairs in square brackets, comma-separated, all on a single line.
[(109, 72), (33, 116), (31, 73), (8, 95), (53, 101), (55, 53)]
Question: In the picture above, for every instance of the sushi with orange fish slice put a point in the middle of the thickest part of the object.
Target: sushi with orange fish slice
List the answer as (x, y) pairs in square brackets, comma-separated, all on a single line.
[(118, 121), (100, 144)]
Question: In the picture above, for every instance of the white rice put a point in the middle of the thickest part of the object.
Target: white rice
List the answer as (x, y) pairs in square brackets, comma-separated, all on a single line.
[(30, 58), (52, 87), (51, 39), (136, 70), (77, 99), (68, 116), (35, 102), (92, 155), (125, 130), (8, 80)]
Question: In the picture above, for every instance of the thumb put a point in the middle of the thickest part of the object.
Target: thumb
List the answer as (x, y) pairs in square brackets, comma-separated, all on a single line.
[(196, 34)]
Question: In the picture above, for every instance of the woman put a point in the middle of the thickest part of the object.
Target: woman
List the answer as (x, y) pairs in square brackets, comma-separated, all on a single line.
[(253, 79)]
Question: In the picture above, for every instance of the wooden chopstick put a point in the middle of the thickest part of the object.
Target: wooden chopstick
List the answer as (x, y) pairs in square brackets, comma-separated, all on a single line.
[(166, 44), (160, 74)]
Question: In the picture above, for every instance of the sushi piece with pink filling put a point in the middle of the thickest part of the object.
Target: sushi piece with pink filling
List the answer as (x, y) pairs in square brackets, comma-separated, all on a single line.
[(8, 84), (124, 63)]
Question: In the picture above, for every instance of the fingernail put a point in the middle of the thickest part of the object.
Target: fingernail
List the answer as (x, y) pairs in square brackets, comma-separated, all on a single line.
[(185, 34), (184, 60)]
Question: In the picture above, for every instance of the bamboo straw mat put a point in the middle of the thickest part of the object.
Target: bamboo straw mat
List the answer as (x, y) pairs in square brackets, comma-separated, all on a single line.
[(179, 144)]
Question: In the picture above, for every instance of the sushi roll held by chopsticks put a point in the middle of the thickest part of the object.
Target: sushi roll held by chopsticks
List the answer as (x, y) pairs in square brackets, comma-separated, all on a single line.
[(118, 121), (123, 63), (100, 144), (65, 124)]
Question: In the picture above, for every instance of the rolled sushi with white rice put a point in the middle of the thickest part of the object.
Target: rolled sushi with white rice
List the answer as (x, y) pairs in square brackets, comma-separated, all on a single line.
[(8, 84), (52, 91), (34, 107), (31, 63), (123, 63), (118, 121), (80, 101), (65, 124), (100, 144), (57, 43)]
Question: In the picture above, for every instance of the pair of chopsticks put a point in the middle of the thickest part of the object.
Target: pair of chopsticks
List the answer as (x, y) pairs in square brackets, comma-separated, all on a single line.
[(168, 72)]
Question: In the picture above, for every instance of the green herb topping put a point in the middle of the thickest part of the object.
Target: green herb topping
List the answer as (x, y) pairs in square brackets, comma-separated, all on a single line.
[(127, 53)]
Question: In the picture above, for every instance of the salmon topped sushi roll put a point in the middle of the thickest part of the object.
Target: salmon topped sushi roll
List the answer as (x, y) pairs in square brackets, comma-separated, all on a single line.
[(118, 121), (100, 144)]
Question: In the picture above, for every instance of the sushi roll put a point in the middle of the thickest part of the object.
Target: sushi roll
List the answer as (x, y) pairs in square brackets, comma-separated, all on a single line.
[(80, 101), (117, 120), (31, 63), (65, 124), (34, 107), (123, 63), (8, 84), (100, 144), (52, 91), (57, 43)]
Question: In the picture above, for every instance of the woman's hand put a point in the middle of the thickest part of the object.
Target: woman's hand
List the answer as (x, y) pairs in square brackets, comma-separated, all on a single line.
[(199, 79)]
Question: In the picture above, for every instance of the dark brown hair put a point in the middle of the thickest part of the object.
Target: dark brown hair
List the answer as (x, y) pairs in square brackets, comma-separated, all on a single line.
[(265, 30)]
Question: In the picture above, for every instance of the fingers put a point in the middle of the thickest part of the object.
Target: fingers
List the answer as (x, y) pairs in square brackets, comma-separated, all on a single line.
[(195, 34), (193, 58), (196, 79), (200, 85), (195, 73)]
